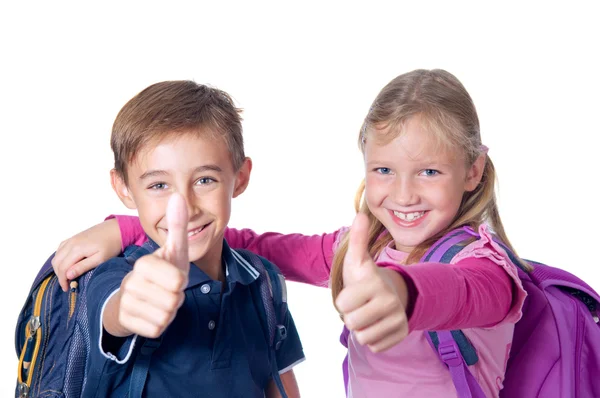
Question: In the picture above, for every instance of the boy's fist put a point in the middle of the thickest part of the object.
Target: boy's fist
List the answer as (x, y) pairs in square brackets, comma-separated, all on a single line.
[(151, 294)]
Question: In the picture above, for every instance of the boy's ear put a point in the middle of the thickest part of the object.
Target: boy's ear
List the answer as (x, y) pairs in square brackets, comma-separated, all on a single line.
[(475, 173), (121, 189), (242, 177)]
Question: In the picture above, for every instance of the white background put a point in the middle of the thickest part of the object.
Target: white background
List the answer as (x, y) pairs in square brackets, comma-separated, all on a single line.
[(305, 75)]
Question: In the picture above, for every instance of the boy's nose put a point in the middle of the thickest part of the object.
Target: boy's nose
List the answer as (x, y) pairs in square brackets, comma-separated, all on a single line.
[(190, 201)]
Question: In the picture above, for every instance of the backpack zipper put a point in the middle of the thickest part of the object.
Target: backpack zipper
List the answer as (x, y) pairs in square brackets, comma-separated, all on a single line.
[(30, 348), (578, 344), (72, 298)]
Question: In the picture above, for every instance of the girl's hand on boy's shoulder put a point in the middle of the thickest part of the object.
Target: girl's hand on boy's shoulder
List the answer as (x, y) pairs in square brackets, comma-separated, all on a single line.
[(373, 299), (85, 251)]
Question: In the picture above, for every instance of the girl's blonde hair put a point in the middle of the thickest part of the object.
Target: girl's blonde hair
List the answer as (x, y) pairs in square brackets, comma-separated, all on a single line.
[(447, 112)]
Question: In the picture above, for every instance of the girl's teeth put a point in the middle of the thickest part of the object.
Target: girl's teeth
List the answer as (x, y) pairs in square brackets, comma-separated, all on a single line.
[(409, 216)]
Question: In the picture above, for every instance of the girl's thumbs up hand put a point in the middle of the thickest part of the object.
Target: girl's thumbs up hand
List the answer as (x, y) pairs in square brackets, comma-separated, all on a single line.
[(373, 299)]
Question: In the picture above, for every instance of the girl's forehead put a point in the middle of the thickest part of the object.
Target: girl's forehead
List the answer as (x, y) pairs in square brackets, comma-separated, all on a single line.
[(411, 143)]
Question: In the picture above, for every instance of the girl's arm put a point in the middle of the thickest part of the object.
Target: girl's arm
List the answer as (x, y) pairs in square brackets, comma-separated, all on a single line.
[(301, 258), (474, 292), (88, 249)]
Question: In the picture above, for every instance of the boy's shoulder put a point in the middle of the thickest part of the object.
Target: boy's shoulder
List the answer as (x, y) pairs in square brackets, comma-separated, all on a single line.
[(260, 263), (133, 252), (269, 279), (117, 267)]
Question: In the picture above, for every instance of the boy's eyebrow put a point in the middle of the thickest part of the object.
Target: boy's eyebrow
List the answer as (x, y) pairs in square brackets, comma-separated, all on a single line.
[(208, 167), (199, 169)]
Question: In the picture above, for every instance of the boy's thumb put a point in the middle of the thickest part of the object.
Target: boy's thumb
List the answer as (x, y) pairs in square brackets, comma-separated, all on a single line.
[(176, 247)]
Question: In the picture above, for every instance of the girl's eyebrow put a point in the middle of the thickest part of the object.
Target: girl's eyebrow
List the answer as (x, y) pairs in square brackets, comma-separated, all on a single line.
[(433, 163), (162, 173)]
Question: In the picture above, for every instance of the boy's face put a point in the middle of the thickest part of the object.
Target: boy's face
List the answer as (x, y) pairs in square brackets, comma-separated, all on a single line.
[(200, 169)]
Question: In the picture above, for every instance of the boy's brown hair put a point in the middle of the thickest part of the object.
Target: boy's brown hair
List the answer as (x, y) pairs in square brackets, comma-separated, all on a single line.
[(175, 107)]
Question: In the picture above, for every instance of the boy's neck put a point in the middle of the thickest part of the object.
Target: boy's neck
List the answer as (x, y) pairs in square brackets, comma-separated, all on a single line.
[(211, 263)]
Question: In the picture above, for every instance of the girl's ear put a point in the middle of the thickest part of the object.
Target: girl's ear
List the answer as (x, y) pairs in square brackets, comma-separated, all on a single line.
[(475, 173), (242, 177), (122, 190)]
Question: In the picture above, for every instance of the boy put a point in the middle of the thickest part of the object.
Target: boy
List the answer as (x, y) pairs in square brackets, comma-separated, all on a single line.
[(194, 328)]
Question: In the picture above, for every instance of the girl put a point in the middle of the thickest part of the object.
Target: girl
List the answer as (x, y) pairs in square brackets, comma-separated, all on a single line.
[(426, 174)]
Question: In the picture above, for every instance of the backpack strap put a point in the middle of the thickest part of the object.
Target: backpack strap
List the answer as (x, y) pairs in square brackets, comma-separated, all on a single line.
[(452, 347), (141, 366), (465, 383), (139, 373), (273, 294), (443, 252), (465, 348)]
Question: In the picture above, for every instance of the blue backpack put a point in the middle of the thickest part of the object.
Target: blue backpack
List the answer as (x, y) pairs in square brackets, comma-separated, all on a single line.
[(52, 338)]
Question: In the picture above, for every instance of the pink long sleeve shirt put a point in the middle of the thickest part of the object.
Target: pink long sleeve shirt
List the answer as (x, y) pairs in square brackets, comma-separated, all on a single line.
[(479, 292)]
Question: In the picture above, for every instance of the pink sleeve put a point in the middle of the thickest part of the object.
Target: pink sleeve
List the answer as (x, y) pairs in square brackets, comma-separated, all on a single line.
[(471, 293), (301, 258), (132, 232)]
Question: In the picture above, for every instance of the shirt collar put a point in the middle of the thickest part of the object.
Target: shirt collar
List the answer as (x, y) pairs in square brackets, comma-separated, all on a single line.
[(237, 269)]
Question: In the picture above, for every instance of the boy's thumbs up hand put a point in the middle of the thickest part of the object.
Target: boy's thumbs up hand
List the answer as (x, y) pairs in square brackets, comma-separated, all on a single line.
[(373, 299), (175, 250), (151, 294)]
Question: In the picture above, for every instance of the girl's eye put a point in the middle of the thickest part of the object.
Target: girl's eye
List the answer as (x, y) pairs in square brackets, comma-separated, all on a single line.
[(430, 172), (158, 186), (383, 170), (205, 181)]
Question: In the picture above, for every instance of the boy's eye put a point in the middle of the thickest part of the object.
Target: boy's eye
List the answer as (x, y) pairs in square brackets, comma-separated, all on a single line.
[(430, 172), (205, 181), (158, 186), (383, 170)]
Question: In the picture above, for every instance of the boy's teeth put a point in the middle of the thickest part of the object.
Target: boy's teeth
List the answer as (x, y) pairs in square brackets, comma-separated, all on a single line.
[(409, 216), (194, 232)]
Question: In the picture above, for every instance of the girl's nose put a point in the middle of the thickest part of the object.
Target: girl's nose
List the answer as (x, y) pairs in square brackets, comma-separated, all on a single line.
[(405, 192)]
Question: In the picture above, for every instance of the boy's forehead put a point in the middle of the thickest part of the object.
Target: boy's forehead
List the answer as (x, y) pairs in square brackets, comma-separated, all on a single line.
[(199, 147)]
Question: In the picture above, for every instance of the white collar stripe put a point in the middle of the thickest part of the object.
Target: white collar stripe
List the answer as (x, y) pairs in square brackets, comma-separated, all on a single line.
[(245, 264)]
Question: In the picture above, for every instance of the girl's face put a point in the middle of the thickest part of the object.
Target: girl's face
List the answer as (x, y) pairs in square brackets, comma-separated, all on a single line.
[(414, 189)]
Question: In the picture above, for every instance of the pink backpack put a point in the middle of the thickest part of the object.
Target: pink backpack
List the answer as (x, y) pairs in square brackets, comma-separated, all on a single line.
[(556, 346)]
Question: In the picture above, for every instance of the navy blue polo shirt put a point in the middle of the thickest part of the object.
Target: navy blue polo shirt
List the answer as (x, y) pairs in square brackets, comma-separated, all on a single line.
[(215, 346)]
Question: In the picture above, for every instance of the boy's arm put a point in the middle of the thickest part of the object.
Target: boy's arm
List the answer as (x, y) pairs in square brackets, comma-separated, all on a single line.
[(149, 295), (290, 385), (290, 352), (103, 286)]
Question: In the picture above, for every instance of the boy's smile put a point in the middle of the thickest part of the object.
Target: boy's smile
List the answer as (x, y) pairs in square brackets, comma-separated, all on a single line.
[(199, 167)]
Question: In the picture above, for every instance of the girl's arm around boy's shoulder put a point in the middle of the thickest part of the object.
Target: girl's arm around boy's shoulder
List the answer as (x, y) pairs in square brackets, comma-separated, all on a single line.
[(301, 258)]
